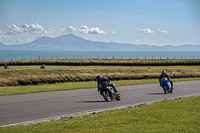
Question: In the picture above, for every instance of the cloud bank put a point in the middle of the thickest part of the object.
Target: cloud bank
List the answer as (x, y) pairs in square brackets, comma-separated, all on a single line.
[(147, 30), (113, 32), (83, 30), (32, 29), (162, 31)]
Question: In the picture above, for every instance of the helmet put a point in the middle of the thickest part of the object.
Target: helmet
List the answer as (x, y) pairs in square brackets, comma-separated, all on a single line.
[(163, 72), (98, 78)]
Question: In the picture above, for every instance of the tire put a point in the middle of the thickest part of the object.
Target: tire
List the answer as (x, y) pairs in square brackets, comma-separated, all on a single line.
[(166, 90), (118, 97), (171, 90), (107, 95)]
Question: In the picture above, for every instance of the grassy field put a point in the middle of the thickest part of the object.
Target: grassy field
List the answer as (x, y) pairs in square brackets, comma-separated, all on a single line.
[(24, 75), (179, 115), (108, 62), (74, 85), (175, 116)]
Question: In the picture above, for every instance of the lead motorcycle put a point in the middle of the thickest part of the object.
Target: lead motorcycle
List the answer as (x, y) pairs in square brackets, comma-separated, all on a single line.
[(166, 85), (108, 90)]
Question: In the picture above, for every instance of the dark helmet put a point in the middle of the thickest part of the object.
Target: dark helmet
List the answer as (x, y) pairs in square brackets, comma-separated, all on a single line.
[(98, 78), (163, 72)]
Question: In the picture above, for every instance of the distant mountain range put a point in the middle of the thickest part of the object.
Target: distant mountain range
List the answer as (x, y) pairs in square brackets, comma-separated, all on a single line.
[(73, 43)]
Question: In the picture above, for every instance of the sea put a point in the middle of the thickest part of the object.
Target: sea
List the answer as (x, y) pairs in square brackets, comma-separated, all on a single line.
[(7, 55)]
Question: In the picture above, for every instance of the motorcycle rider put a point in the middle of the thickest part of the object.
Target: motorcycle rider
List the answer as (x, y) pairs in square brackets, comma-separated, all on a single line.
[(164, 74), (6, 66), (101, 82)]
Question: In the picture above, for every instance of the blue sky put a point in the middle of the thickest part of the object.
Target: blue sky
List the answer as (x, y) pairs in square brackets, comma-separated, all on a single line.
[(151, 22)]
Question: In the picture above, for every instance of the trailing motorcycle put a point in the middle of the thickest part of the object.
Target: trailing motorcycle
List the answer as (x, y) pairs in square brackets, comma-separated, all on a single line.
[(108, 90), (166, 85)]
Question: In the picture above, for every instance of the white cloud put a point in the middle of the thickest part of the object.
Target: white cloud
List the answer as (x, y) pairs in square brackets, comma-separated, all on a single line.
[(113, 32), (69, 29), (14, 29), (49, 31), (86, 30), (162, 31), (33, 29), (83, 30), (147, 30), (13, 33), (5, 38)]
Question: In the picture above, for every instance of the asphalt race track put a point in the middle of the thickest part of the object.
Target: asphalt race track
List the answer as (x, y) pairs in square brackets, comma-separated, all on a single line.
[(29, 107)]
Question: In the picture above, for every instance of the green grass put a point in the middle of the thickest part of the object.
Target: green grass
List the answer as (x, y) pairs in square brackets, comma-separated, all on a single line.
[(113, 62), (175, 116), (74, 85), (16, 74)]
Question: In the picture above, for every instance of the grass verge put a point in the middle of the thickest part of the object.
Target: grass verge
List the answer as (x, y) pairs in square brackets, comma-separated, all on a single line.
[(179, 115), (75, 85), (32, 75)]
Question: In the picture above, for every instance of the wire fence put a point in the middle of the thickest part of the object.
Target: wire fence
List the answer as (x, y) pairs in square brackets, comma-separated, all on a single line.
[(96, 57), (38, 55)]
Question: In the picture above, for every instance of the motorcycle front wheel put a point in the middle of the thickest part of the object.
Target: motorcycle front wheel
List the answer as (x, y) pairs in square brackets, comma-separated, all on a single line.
[(166, 89), (107, 95)]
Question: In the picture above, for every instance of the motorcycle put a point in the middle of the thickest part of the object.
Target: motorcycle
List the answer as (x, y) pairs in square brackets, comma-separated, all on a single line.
[(109, 91), (166, 85)]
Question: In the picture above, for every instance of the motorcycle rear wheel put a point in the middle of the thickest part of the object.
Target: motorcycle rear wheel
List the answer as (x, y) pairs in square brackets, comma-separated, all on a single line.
[(118, 97)]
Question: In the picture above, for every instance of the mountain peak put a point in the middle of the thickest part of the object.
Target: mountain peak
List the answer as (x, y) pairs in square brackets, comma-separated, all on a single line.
[(68, 36), (43, 39), (72, 42), (1, 44)]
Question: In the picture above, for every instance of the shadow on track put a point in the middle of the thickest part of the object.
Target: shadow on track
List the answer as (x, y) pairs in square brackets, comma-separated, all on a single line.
[(154, 93), (91, 101)]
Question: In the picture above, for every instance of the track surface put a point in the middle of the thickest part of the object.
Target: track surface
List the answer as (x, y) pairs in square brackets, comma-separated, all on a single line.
[(27, 107)]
